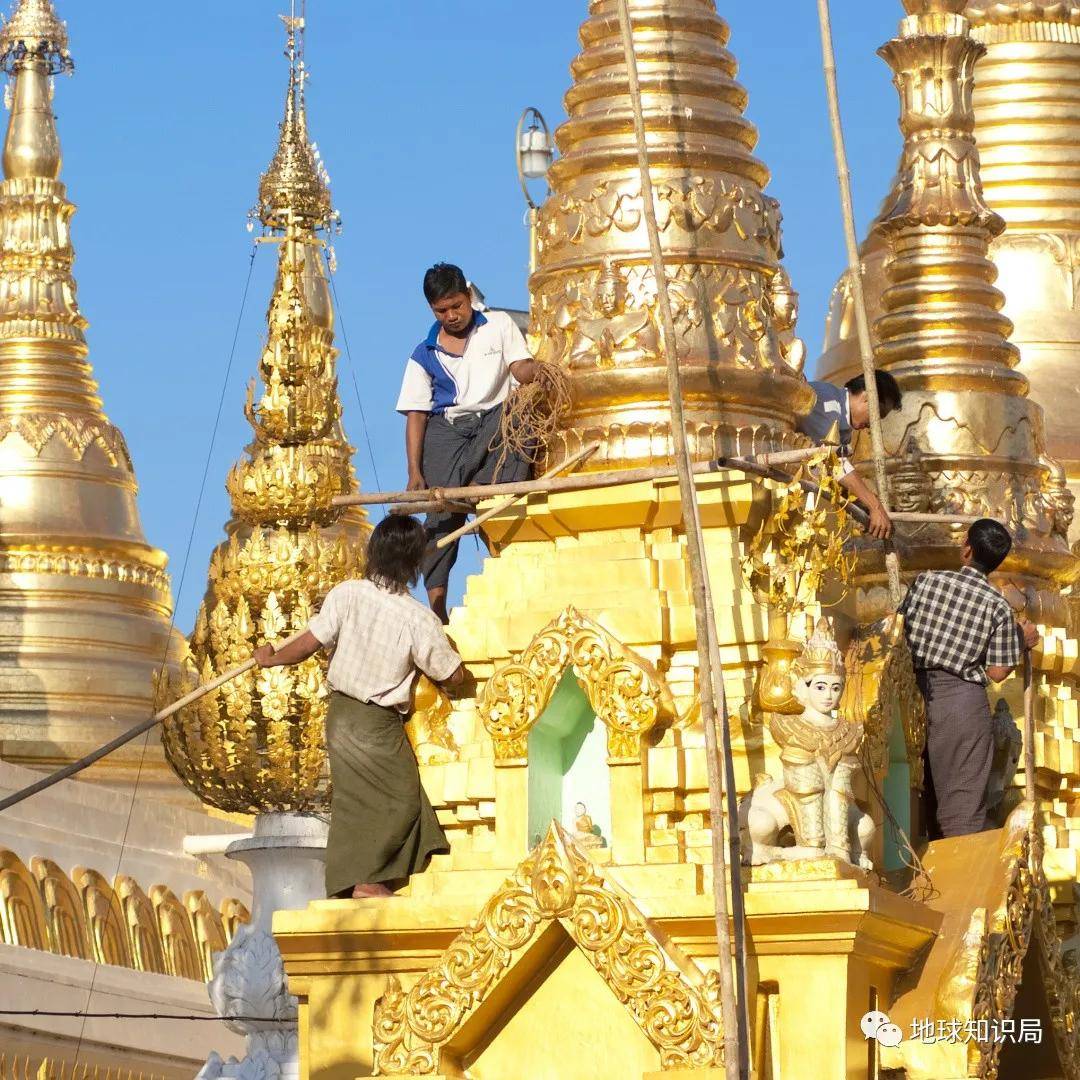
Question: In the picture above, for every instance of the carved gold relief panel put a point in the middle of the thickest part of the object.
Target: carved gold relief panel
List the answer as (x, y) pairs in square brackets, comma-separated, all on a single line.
[(623, 689), (86, 918), (675, 1004)]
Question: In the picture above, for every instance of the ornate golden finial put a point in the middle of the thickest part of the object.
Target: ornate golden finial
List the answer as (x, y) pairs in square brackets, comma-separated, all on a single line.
[(258, 746), (295, 187), (34, 32)]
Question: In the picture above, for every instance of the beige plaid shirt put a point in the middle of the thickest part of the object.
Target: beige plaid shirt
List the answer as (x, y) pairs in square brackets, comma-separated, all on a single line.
[(380, 640)]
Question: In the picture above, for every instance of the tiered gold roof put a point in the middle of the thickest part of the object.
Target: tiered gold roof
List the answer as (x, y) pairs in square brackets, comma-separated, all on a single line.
[(594, 296), (84, 600), (257, 744)]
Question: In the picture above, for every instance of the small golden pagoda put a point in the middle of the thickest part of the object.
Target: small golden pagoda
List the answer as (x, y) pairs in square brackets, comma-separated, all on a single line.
[(970, 437), (256, 745), (1027, 123), (84, 599)]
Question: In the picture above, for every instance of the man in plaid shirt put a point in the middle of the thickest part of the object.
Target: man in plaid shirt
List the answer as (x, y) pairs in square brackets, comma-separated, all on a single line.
[(963, 634)]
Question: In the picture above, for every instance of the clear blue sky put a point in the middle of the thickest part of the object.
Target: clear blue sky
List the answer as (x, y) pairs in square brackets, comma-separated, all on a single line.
[(172, 115)]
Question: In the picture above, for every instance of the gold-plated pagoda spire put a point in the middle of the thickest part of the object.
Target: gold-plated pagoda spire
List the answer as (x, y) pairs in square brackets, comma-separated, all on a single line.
[(942, 333), (257, 744), (84, 600), (593, 293), (1027, 124)]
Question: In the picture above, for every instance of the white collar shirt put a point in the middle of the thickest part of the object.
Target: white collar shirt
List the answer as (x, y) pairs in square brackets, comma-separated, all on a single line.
[(477, 380)]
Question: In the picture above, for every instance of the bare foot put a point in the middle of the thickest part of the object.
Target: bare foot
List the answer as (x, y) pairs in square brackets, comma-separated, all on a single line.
[(362, 892)]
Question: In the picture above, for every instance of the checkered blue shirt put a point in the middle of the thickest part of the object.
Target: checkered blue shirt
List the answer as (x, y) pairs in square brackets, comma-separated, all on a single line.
[(957, 621)]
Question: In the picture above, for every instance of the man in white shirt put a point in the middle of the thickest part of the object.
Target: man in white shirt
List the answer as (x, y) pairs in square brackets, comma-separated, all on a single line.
[(452, 396)]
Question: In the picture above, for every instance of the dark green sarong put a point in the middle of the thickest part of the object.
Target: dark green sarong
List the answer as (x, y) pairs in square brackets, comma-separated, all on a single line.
[(382, 826)]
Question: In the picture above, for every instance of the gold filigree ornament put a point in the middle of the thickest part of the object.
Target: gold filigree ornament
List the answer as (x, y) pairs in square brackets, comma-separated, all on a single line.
[(805, 541), (624, 690), (674, 1003), (1025, 915)]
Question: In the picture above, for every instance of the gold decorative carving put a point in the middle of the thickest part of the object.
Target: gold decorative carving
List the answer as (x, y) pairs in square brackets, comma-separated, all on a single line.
[(104, 918), (987, 970), (65, 918), (86, 918), (674, 1004), (233, 915), (803, 542), (143, 934), (76, 432), (177, 935), (71, 562), (690, 205), (295, 188), (34, 31), (209, 930), (624, 690), (22, 914), (428, 727), (35, 1068)]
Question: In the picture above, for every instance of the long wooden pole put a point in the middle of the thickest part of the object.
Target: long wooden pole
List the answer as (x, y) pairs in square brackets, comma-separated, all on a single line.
[(866, 348), (505, 504), (736, 1027), (1029, 729), (134, 732), (563, 483)]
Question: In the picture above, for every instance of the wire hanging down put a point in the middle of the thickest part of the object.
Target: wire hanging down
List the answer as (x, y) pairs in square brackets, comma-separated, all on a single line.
[(352, 369)]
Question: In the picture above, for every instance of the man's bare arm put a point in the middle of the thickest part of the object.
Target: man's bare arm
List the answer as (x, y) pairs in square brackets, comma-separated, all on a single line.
[(880, 524), (304, 646), (415, 426), (524, 370)]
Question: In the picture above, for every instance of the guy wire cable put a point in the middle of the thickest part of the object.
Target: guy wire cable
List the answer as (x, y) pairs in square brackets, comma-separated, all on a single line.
[(352, 370), (172, 620)]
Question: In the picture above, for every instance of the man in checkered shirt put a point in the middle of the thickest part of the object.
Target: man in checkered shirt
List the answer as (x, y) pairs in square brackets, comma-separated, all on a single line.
[(963, 634)]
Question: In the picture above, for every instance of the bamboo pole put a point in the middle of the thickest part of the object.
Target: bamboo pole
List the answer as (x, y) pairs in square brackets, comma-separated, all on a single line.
[(1029, 730), (565, 483), (499, 507), (433, 507), (866, 348), (735, 1020), (134, 732)]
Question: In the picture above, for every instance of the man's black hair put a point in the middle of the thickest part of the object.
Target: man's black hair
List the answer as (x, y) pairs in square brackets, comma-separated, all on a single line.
[(990, 544), (443, 280), (395, 550), (888, 390)]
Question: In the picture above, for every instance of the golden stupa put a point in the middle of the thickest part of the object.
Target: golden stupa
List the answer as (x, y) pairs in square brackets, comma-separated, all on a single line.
[(257, 744), (1027, 124), (84, 599), (570, 933)]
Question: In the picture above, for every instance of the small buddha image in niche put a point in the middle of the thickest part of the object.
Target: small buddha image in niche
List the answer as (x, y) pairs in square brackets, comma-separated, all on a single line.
[(586, 834)]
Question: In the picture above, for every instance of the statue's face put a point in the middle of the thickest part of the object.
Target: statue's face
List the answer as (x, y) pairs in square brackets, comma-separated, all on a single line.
[(786, 308), (607, 297), (822, 693)]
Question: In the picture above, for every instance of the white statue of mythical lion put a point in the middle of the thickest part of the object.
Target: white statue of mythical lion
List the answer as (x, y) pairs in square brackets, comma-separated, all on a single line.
[(812, 812)]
